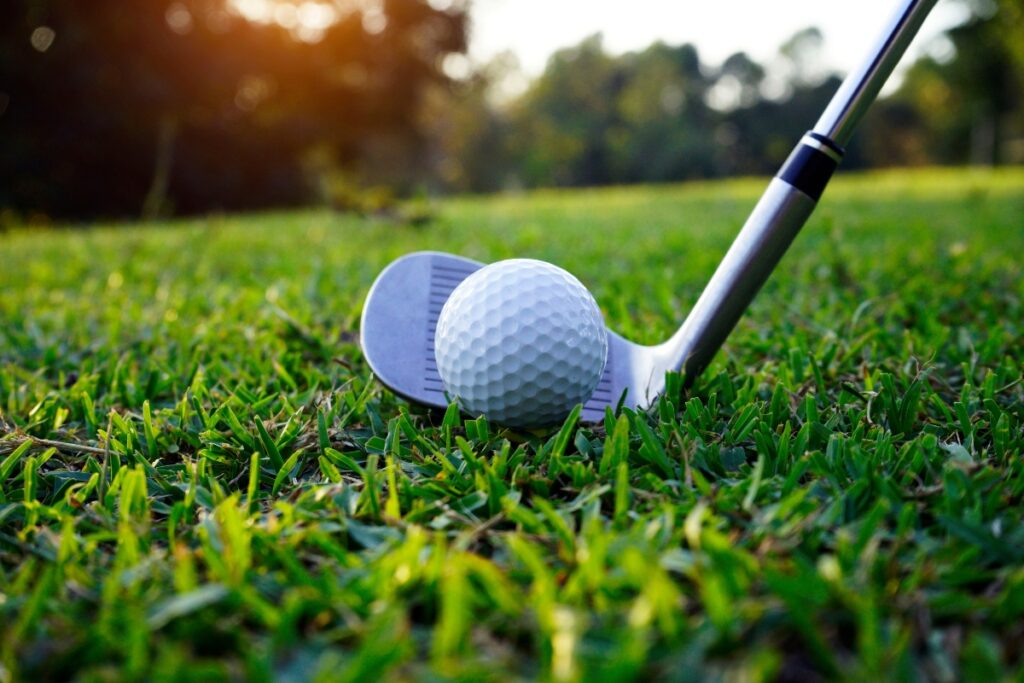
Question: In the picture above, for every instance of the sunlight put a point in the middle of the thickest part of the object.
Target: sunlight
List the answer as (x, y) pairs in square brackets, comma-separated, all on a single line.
[(308, 19), (255, 10)]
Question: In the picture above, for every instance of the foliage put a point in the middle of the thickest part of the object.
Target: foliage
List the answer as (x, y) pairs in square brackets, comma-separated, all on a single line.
[(110, 106), (155, 107), (655, 115), (660, 114), (965, 107), (199, 479)]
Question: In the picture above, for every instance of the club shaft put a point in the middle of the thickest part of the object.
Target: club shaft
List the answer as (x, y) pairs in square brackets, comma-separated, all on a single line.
[(861, 86), (754, 253), (789, 200)]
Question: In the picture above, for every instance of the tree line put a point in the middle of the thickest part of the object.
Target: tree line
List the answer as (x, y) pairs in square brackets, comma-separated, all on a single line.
[(157, 107), (661, 114), (122, 107)]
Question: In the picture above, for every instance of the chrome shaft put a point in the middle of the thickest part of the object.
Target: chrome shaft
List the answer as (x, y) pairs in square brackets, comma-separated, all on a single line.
[(786, 204), (861, 86)]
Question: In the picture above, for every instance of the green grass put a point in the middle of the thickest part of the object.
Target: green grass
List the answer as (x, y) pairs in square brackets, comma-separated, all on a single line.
[(200, 480)]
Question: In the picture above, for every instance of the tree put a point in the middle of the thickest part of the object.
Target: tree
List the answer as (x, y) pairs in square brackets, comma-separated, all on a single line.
[(469, 130), (964, 108), (562, 119), (802, 55), (112, 105), (661, 117)]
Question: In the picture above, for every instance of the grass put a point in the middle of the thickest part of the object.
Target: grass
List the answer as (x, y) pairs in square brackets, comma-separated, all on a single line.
[(199, 479)]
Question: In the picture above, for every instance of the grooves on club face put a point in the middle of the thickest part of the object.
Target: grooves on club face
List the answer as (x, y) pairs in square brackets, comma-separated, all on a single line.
[(400, 318)]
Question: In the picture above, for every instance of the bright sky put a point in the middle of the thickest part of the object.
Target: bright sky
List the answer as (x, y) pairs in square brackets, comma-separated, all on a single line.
[(533, 29)]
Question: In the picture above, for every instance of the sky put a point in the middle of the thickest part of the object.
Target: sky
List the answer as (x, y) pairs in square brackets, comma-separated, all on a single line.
[(533, 29)]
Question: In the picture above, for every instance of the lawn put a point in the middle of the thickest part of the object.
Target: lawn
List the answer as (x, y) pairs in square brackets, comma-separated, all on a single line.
[(200, 480)]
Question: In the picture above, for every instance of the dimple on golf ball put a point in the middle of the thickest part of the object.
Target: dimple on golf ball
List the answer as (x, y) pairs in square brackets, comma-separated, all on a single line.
[(520, 342)]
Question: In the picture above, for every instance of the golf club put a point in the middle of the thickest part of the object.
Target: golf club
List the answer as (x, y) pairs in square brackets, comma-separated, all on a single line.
[(401, 310)]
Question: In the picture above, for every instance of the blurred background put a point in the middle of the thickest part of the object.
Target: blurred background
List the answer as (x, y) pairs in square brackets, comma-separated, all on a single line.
[(154, 108)]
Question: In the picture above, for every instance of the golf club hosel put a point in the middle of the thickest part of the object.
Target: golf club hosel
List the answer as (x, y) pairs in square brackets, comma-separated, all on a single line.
[(775, 222), (768, 232)]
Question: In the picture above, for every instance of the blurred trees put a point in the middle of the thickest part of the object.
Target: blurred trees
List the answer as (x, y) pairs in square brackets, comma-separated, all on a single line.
[(110, 107), (650, 116), (966, 107), (661, 114), (567, 113), (658, 88)]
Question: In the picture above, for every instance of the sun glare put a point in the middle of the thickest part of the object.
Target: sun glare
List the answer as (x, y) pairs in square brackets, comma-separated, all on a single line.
[(307, 19)]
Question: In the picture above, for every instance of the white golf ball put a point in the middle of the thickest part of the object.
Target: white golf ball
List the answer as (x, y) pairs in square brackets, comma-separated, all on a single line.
[(520, 342)]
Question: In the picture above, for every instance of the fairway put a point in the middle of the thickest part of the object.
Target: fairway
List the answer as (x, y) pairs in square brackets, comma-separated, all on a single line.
[(200, 479)]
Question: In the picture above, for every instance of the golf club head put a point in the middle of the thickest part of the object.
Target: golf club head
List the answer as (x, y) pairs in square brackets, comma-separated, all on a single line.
[(400, 317)]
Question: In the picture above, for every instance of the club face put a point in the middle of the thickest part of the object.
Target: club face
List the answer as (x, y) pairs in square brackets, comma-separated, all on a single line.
[(400, 317)]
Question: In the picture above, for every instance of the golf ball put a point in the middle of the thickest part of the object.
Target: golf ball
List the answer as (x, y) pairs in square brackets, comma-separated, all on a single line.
[(520, 342)]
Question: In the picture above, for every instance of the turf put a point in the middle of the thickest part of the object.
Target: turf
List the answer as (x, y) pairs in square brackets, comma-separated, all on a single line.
[(200, 480)]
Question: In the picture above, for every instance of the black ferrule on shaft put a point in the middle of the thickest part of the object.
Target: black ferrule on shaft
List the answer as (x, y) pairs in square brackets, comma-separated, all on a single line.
[(808, 168)]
